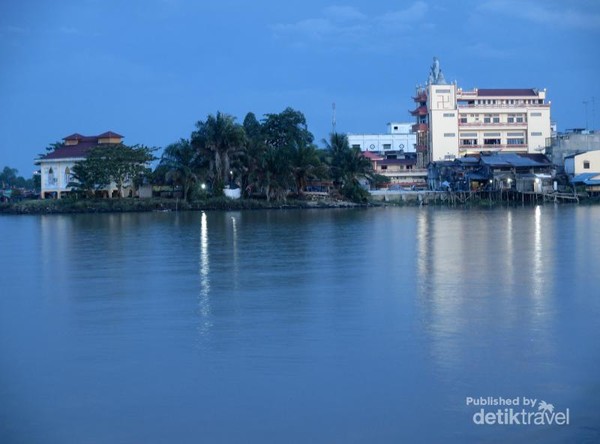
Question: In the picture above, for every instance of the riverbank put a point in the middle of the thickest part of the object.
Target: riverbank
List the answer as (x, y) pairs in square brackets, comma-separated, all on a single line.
[(128, 205)]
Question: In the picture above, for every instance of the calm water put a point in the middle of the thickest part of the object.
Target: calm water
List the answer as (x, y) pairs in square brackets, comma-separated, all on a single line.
[(324, 326)]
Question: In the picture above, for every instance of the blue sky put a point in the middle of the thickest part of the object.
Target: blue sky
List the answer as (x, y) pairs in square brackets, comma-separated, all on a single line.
[(150, 69)]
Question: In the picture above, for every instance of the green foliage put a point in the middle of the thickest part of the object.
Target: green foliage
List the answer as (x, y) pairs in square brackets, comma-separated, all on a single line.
[(220, 141), (9, 178), (114, 163), (182, 165), (347, 166)]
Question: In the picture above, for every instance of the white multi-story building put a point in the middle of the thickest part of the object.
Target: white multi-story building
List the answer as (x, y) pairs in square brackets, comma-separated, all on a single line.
[(452, 122), (399, 138)]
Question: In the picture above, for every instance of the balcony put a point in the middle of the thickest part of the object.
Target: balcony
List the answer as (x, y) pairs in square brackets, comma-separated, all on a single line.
[(420, 127), (421, 148)]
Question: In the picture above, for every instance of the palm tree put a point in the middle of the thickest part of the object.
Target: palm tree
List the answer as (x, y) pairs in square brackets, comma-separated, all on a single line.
[(305, 164), (347, 166), (181, 163), (220, 140)]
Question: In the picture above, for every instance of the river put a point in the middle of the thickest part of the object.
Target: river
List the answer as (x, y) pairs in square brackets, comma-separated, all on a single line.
[(379, 325)]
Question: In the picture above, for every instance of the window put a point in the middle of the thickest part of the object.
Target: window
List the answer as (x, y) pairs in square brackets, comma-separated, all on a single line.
[(463, 120), (515, 141), (468, 142), (395, 127), (536, 114), (357, 145), (495, 118), (586, 164), (449, 134), (487, 118), (536, 133), (384, 167), (443, 91), (491, 141), (448, 114), (67, 176), (387, 146)]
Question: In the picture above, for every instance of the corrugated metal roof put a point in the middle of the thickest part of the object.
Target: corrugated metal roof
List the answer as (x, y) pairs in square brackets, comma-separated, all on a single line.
[(528, 92)]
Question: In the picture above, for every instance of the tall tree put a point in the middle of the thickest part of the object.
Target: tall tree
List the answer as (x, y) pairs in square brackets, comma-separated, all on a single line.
[(347, 166), (250, 165), (220, 139), (305, 164), (181, 163)]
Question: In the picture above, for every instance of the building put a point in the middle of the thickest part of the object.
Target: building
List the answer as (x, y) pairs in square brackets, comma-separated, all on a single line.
[(586, 162), (399, 139), (56, 167), (452, 122), (572, 141), (400, 172)]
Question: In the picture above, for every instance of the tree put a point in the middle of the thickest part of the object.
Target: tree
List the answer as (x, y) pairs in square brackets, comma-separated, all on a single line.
[(251, 161), (286, 129), (305, 165), (181, 163), (114, 163), (8, 177), (220, 139), (347, 165)]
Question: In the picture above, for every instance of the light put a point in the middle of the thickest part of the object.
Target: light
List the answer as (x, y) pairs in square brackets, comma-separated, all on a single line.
[(203, 186)]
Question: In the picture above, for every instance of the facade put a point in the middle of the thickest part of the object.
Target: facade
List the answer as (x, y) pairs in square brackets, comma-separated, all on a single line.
[(522, 172), (452, 122), (401, 172), (573, 141), (583, 163), (399, 138), (56, 167)]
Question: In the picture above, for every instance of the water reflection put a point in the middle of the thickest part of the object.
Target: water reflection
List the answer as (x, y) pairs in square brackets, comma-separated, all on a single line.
[(204, 300), (478, 281)]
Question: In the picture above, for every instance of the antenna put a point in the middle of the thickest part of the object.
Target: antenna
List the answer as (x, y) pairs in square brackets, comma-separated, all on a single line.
[(333, 122), (585, 103), (594, 127)]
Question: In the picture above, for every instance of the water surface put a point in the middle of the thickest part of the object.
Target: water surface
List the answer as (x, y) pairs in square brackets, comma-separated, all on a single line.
[(297, 326)]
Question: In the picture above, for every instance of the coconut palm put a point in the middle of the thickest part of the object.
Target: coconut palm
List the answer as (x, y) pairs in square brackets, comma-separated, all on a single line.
[(347, 166), (220, 139), (305, 164), (181, 163)]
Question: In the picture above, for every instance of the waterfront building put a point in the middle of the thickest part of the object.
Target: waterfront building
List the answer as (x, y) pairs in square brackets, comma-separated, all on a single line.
[(452, 122), (572, 141), (399, 139), (401, 171), (583, 163), (56, 167)]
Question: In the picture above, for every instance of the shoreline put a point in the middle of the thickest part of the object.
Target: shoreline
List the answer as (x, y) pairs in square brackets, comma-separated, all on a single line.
[(136, 205)]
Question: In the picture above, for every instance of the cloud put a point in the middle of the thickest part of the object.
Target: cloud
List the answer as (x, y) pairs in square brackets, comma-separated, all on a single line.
[(558, 15), (348, 27), (486, 51)]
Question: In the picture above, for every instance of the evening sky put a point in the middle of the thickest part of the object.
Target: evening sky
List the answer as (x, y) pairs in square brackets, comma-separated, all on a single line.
[(149, 69)]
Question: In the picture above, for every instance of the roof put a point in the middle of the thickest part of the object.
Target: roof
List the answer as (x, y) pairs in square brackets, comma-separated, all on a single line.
[(371, 156), (109, 134), (71, 151), (80, 149), (587, 178), (507, 92), (398, 162), (516, 160)]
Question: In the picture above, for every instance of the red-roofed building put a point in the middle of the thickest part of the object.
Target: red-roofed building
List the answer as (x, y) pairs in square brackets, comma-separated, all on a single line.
[(56, 166)]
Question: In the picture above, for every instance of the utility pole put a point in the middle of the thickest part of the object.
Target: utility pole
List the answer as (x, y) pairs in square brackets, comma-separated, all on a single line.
[(333, 122)]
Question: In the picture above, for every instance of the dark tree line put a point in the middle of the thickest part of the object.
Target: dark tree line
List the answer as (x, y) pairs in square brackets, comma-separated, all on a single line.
[(269, 158)]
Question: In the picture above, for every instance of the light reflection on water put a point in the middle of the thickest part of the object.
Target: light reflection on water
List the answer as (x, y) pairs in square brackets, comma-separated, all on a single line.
[(320, 326)]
